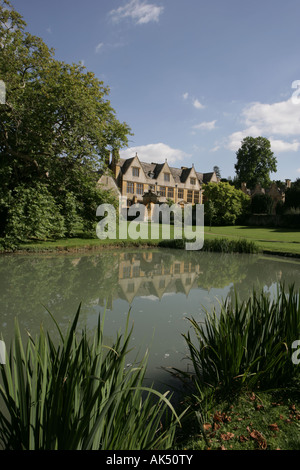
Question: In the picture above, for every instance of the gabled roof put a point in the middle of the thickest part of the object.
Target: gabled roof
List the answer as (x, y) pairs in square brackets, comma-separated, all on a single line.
[(152, 171), (185, 174), (207, 177), (125, 163)]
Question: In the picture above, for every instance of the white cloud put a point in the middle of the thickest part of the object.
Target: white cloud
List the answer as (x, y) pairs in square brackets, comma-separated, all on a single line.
[(155, 153), (277, 122), (281, 118), (209, 125), (215, 148), (197, 104), (298, 170), (153, 298), (185, 96), (99, 47), (139, 11), (235, 139), (279, 146)]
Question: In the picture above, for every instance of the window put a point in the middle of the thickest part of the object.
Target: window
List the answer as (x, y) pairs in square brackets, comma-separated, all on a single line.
[(196, 197), (190, 196), (126, 271), (140, 188), (171, 193), (130, 188), (135, 171), (180, 193), (163, 191), (177, 268), (136, 271), (130, 288), (193, 181), (167, 177)]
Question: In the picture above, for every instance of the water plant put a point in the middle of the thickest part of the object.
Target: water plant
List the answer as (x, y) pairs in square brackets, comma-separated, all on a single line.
[(220, 245), (246, 343), (79, 395)]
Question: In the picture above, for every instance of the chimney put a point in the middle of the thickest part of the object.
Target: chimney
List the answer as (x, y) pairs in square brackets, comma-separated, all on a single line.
[(288, 183), (115, 157)]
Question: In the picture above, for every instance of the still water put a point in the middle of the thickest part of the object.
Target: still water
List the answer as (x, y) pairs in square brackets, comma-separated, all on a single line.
[(161, 288)]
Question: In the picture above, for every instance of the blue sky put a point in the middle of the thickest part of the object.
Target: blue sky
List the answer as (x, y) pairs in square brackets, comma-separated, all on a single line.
[(191, 78)]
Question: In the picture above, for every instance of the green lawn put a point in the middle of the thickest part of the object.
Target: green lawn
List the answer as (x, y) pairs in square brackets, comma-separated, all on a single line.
[(249, 421), (269, 239), (276, 240)]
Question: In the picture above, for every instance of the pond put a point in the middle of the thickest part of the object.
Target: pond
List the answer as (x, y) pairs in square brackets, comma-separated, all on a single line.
[(160, 287)]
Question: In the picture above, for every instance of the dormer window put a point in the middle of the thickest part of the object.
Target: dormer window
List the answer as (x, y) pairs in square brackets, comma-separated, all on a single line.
[(193, 181), (135, 171), (167, 177)]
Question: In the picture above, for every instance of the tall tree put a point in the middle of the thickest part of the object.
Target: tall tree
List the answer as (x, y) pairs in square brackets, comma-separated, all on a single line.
[(57, 125), (223, 204), (255, 162), (217, 171)]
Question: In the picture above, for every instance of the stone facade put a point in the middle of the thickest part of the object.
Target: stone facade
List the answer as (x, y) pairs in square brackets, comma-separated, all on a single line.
[(135, 179)]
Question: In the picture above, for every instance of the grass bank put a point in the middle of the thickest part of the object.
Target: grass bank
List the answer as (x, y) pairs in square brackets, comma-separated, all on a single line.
[(225, 239)]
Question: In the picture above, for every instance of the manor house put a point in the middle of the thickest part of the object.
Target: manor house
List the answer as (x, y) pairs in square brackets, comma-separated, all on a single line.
[(142, 182)]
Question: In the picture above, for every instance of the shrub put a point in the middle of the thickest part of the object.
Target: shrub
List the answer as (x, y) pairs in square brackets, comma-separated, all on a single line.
[(261, 204), (221, 245), (32, 213)]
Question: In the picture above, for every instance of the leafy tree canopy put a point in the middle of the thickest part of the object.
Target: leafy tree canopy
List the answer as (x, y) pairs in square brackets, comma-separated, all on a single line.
[(255, 162), (229, 203), (57, 126)]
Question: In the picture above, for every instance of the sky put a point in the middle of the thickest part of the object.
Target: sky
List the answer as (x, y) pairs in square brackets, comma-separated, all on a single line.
[(191, 78)]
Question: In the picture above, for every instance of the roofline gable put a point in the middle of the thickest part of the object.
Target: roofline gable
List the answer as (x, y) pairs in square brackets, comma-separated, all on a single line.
[(132, 159)]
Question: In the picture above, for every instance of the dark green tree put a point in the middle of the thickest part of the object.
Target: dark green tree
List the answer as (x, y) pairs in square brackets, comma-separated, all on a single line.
[(217, 171), (255, 162), (57, 127), (292, 195), (261, 204)]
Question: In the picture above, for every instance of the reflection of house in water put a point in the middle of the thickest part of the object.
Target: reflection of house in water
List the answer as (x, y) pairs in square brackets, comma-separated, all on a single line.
[(143, 274)]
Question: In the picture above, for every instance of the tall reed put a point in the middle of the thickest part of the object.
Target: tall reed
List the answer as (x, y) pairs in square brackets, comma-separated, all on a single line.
[(80, 395), (246, 343), (220, 245)]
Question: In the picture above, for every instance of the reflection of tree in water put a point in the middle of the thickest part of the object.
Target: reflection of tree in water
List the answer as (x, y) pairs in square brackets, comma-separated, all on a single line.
[(61, 282), (247, 272), (220, 270)]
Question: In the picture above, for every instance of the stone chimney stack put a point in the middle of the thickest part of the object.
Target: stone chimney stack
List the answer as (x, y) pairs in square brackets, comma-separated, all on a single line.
[(115, 166), (288, 183)]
